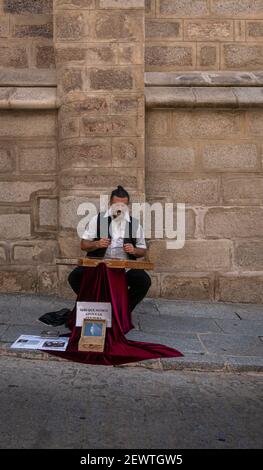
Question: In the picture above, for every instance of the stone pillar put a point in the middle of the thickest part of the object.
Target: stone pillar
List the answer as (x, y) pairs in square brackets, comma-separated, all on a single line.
[(99, 51)]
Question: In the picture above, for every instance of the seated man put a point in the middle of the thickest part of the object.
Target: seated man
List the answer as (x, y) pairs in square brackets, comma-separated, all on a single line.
[(114, 234)]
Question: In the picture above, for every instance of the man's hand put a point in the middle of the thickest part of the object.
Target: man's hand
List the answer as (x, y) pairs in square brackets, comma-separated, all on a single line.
[(103, 243), (129, 248)]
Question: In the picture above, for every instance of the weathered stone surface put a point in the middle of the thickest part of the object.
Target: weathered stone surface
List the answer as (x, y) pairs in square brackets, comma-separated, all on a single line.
[(186, 287), (89, 153), (163, 29), (237, 8), (48, 212), (72, 80), (207, 55), (20, 280), (234, 222), (88, 104), (254, 30), (171, 158), (118, 26), (130, 53), (47, 280), (28, 6), (40, 159), (68, 215), (112, 126), (70, 26), (100, 179), (4, 27), (196, 255), (127, 104), (11, 56), (157, 123), (215, 97), (121, 3), (2, 254), (254, 121), (231, 157), (69, 128), (45, 57), (199, 190), (35, 252), (172, 55), (184, 8), (242, 56), (249, 255), (64, 288), (21, 191), (33, 26), (208, 30), (7, 159), (27, 124), (240, 289), (70, 54), (70, 246), (14, 226), (110, 79), (243, 189), (127, 152), (74, 4), (210, 123)]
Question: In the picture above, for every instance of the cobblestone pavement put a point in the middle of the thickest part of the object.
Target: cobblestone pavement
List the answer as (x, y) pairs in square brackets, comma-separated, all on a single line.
[(51, 404)]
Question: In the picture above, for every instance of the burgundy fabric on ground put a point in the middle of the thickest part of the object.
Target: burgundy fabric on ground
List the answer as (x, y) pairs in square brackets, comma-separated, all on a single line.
[(103, 284)]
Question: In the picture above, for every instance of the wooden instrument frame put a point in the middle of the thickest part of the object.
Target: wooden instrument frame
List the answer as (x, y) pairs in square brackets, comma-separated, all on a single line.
[(116, 263)]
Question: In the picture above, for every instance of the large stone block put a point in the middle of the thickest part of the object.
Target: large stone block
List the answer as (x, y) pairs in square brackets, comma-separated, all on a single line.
[(243, 190), (21, 191), (68, 208), (13, 56), (64, 289), (14, 226), (45, 57), (157, 123), (47, 280), (163, 29), (199, 191), (3, 254), (245, 222), (128, 104), (111, 79), (100, 179), (70, 26), (72, 80), (208, 30), (206, 123), (254, 122), (48, 212), (118, 26), (33, 26), (237, 8), (4, 27), (231, 157), (248, 255), (40, 159), (19, 280), (86, 103), (242, 56), (74, 4), (207, 55), (35, 252), (28, 124), (86, 153), (172, 55), (109, 126), (196, 255), (7, 158), (173, 157), (70, 247), (128, 152), (183, 8), (130, 53), (254, 30), (121, 4), (186, 287), (240, 288), (28, 6)]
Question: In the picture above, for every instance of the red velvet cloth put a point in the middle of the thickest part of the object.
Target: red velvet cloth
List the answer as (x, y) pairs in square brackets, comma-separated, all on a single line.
[(103, 284)]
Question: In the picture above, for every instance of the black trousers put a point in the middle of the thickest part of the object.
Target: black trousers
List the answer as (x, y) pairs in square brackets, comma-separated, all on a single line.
[(138, 281)]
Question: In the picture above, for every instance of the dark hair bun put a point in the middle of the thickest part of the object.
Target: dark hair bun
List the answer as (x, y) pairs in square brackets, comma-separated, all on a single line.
[(120, 188)]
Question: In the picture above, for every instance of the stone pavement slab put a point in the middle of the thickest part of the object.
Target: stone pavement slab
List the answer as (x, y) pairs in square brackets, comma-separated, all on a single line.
[(212, 336)]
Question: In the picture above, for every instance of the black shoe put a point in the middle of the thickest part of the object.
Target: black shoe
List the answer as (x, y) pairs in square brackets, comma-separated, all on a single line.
[(56, 318)]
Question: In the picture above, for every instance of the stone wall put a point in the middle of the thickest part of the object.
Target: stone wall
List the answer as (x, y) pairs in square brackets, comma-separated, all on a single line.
[(204, 35)]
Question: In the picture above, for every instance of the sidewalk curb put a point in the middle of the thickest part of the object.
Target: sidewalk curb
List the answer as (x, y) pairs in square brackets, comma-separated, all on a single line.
[(186, 363)]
